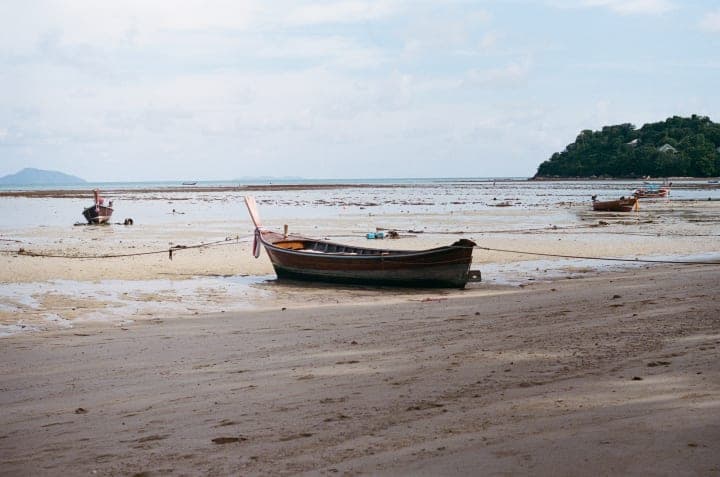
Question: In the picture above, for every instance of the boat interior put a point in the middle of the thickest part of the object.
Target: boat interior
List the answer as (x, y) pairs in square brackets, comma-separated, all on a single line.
[(317, 246)]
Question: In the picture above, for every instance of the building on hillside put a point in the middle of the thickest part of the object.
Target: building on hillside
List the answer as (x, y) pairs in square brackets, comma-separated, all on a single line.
[(667, 148)]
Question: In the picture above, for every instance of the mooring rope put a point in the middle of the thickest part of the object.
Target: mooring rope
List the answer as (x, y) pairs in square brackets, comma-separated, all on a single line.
[(235, 240), (169, 251), (551, 229), (611, 259)]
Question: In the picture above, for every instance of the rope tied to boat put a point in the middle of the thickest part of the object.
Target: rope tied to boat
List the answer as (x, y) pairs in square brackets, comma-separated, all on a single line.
[(610, 259), (169, 251), (257, 247)]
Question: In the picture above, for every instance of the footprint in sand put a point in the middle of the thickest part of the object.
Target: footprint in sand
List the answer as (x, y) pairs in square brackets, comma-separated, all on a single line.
[(228, 440)]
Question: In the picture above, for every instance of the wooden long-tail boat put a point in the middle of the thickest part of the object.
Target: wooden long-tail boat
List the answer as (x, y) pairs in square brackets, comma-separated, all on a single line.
[(620, 205), (651, 192), (301, 258), (98, 213)]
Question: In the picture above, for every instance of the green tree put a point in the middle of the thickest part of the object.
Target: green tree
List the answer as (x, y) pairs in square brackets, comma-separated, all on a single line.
[(624, 151)]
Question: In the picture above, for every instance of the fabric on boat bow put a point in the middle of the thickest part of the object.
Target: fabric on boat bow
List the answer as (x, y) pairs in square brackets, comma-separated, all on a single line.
[(257, 245)]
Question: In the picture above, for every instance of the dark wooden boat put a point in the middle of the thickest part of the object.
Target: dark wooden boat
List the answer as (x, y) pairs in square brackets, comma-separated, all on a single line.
[(301, 258), (621, 205), (98, 213)]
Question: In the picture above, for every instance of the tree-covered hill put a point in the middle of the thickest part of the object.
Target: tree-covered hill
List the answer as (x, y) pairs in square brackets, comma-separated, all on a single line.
[(688, 147)]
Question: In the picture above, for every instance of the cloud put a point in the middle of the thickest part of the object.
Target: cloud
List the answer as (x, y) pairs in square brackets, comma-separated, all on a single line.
[(140, 23), (230, 81), (488, 40), (507, 76), (622, 7), (449, 31), (711, 22), (116, 23), (339, 12), (337, 51)]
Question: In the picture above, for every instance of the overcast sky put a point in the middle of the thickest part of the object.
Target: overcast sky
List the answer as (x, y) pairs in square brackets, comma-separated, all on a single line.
[(152, 90)]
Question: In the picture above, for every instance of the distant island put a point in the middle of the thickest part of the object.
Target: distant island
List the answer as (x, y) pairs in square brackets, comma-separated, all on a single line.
[(676, 147), (31, 176)]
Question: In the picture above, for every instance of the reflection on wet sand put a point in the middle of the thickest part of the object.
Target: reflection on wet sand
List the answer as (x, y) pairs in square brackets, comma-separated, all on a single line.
[(542, 217)]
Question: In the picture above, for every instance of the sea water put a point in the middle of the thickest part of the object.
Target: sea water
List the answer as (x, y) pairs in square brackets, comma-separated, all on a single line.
[(168, 202)]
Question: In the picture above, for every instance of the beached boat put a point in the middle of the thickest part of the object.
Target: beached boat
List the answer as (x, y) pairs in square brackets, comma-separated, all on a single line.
[(620, 205), (302, 258), (98, 213), (652, 191)]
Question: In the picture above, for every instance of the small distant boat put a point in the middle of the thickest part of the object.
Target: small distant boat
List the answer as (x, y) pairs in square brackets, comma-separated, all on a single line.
[(98, 213), (652, 191), (189, 183), (620, 205), (302, 258)]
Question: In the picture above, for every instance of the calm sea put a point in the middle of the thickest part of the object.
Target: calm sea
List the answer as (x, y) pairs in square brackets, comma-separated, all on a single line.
[(155, 201), (253, 181)]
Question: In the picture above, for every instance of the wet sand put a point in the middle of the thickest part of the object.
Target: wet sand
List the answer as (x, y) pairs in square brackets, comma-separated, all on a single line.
[(610, 374), (47, 286)]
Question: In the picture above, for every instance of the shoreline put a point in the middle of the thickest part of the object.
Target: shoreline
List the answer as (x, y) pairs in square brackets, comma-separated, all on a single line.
[(45, 292), (78, 193), (83, 193), (617, 373)]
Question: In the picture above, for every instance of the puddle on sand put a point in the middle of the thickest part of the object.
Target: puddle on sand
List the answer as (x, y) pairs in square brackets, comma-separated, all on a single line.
[(37, 306)]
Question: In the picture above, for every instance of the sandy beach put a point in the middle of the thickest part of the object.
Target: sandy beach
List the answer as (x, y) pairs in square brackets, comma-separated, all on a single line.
[(616, 374), (205, 365)]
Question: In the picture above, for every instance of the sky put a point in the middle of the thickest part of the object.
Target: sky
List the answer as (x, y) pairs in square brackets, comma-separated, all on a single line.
[(148, 90)]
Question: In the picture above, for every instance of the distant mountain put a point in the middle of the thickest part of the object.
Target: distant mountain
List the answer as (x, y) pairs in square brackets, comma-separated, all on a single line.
[(30, 176)]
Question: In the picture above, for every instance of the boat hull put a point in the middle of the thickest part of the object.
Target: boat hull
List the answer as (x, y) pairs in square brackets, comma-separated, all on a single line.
[(98, 215), (620, 205), (443, 267), (650, 195)]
